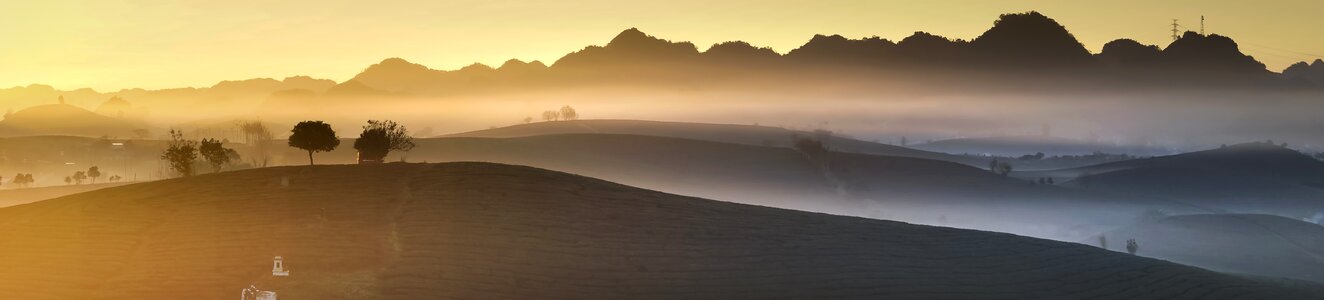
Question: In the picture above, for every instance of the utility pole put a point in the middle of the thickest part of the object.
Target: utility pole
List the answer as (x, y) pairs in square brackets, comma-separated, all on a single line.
[(1174, 30)]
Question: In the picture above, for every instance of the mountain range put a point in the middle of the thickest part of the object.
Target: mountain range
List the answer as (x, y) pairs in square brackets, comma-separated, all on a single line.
[(1025, 44), (1016, 46)]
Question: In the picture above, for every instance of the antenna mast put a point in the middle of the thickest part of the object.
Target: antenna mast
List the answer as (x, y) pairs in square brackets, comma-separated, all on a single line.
[(1174, 30), (1201, 24)]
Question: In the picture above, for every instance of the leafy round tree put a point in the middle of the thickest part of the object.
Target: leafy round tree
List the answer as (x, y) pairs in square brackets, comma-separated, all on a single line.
[(313, 136), (215, 153), (181, 154), (568, 113), (79, 177), (93, 173), (379, 138)]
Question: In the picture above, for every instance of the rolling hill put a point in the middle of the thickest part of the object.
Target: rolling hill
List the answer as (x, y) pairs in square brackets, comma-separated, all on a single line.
[(1031, 144), (725, 133), (64, 119), (477, 230), (11, 197), (1252, 177), (897, 188), (1239, 243)]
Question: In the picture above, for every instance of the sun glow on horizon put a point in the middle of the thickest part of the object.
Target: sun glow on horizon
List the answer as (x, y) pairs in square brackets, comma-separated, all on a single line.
[(139, 44)]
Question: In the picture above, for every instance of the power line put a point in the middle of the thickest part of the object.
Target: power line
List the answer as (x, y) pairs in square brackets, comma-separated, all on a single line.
[(1313, 55)]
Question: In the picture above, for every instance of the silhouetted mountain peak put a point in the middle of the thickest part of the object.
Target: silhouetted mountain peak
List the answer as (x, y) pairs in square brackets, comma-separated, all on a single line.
[(515, 66), (1030, 38), (923, 46), (1213, 51), (394, 65), (737, 50), (630, 46), (1129, 53), (519, 64), (633, 39), (839, 48), (632, 36), (1301, 72), (393, 74), (476, 67)]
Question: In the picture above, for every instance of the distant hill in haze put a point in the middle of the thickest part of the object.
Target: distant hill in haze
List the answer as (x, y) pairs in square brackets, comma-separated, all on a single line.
[(1246, 177), (488, 231), (64, 119), (10, 196), (1264, 245), (725, 133), (900, 188), (226, 97), (1029, 145)]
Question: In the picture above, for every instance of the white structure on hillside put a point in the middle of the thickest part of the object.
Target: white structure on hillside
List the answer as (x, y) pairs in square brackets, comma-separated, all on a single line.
[(278, 268), (256, 293)]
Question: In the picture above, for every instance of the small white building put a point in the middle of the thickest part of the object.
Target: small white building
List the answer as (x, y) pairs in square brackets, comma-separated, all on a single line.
[(278, 268), (265, 295)]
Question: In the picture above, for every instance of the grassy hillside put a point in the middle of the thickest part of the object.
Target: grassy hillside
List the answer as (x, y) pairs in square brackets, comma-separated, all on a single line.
[(897, 188), (16, 196), (1030, 144), (1254, 177), (486, 231), (725, 133), (64, 119), (1241, 243)]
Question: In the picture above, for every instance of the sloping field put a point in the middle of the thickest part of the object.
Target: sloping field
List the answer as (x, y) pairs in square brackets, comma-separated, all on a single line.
[(886, 187), (1251, 177), (487, 231), (725, 133), (1240, 243), (11, 197)]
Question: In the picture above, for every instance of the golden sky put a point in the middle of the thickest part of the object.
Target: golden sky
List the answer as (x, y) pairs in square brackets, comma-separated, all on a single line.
[(113, 44)]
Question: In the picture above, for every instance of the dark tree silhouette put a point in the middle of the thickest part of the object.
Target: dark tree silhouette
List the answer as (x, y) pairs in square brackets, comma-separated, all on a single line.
[(68, 180), (1132, 246), (568, 113), (259, 139), (379, 138), (811, 146), (142, 133), (551, 115), (216, 155), (94, 172), (181, 154), (79, 177), (313, 136)]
